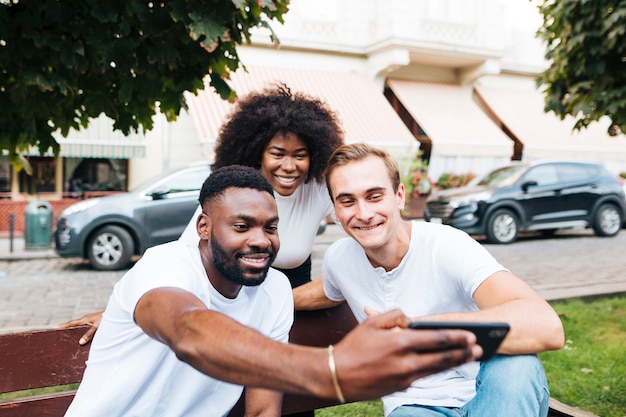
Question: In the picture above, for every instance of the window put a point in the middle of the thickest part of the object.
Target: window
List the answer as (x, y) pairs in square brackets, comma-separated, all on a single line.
[(543, 174), (94, 174), (5, 174), (43, 178), (188, 181), (580, 172)]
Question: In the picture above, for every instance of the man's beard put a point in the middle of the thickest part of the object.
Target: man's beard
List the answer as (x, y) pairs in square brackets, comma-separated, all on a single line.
[(230, 268)]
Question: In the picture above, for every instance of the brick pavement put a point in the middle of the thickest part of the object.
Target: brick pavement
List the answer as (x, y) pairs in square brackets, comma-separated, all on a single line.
[(576, 263), (41, 293), (40, 290)]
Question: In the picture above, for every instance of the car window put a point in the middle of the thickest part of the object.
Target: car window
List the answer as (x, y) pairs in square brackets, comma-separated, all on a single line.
[(543, 175), (503, 177), (574, 172), (186, 181)]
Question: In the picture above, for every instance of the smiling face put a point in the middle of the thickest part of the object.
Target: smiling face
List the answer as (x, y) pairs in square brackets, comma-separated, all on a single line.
[(365, 202), (239, 239), (285, 162)]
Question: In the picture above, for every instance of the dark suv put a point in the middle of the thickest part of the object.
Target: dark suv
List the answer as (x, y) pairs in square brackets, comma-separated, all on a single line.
[(110, 230), (544, 196)]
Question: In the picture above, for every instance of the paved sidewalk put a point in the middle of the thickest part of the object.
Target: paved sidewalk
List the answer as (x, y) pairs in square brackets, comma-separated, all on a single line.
[(16, 250), (39, 290)]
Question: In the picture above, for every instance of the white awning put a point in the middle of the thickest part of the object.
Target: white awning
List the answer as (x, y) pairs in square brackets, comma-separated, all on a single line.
[(451, 119), (545, 135), (364, 112)]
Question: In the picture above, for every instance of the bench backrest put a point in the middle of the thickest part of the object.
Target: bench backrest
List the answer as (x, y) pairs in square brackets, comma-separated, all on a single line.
[(40, 359), (49, 358)]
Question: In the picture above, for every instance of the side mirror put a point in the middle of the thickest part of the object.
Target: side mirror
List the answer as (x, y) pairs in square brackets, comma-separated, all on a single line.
[(159, 192), (527, 184)]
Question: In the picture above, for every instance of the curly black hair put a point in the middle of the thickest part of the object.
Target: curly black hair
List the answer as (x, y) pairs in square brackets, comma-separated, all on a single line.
[(237, 176), (257, 117)]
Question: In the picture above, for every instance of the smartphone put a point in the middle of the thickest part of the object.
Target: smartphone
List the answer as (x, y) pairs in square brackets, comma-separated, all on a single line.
[(489, 335)]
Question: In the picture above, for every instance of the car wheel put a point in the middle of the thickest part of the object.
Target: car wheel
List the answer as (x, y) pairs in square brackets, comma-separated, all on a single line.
[(502, 227), (110, 248), (607, 221)]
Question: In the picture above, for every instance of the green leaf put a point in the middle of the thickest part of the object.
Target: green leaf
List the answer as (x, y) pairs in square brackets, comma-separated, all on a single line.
[(207, 28), (586, 50), (56, 72)]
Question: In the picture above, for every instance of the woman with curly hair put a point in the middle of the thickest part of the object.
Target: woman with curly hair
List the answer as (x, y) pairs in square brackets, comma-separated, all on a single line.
[(289, 137)]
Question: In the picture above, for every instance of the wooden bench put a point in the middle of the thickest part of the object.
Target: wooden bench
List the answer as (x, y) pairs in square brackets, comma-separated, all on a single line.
[(47, 358)]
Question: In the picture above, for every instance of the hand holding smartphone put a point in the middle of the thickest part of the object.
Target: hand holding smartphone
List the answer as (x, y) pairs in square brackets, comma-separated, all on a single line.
[(489, 335)]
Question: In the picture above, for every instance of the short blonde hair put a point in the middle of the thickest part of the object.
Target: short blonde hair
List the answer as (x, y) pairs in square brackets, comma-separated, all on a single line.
[(345, 154)]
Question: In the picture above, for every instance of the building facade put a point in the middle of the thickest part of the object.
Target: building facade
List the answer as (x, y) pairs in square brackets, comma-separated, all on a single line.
[(452, 78)]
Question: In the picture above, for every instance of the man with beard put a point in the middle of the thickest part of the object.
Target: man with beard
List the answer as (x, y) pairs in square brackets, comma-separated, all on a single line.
[(172, 341)]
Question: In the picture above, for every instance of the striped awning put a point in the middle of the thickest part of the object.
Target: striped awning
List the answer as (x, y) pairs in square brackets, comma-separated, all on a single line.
[(363, 110), (451, 119), (99, 140)]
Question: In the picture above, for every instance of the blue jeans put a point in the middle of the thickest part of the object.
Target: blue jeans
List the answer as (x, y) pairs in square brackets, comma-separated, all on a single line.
[(505, 386)]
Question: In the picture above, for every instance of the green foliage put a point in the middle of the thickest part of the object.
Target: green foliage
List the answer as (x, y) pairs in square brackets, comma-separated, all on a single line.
[(586, 50), (590, 372), (63, 62)]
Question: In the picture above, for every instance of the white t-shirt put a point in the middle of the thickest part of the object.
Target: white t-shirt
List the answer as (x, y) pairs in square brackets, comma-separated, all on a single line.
[(299, 215), (439, 274), (130, 374)]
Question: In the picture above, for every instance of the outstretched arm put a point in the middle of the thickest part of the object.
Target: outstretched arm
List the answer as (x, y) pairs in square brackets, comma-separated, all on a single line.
[(378, 357)]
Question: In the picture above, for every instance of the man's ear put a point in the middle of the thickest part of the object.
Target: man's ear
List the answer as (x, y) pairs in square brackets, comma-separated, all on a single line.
[(401, 194), (203, 226)]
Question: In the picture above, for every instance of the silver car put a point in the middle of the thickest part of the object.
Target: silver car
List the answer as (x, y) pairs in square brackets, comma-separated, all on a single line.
[(109, 231)]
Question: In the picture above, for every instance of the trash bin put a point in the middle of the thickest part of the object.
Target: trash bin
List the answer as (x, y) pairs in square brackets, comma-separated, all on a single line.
[(38, 225)]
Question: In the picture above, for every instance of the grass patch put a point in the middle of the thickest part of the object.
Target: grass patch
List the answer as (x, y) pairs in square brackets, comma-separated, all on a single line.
[(359, 409), (589, 373), (37, 391)]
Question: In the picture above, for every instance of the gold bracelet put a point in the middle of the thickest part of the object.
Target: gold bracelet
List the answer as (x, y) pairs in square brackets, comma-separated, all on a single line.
[(333, 374)]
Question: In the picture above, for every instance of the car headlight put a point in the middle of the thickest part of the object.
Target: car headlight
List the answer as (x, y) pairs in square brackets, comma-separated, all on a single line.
[(80, 206), (470, 200)]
